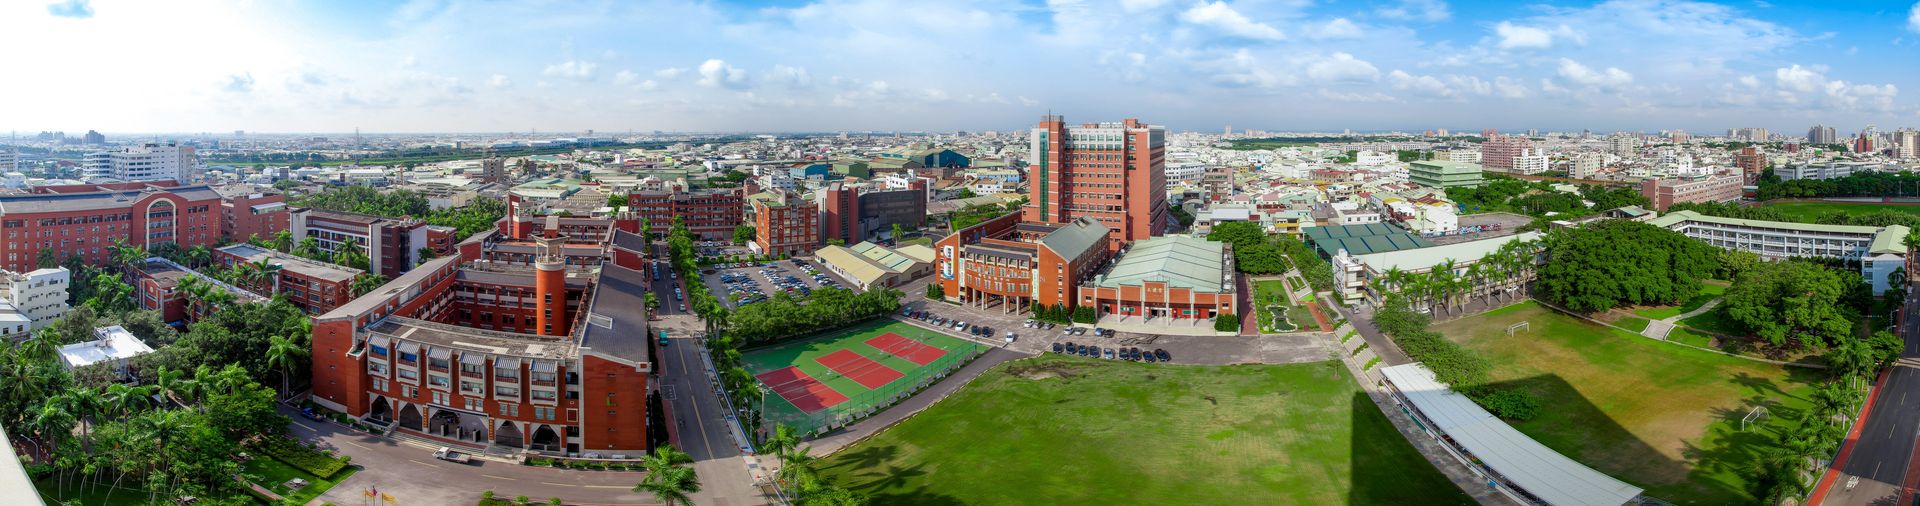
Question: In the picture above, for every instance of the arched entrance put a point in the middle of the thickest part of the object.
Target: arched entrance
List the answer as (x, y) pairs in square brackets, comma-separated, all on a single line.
[(544, 438), (410, 417), (381, 412), (162, 223), (444, 423), (507, 434)]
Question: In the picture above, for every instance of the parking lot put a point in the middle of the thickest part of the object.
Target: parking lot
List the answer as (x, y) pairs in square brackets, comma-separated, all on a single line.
[(740, 284)]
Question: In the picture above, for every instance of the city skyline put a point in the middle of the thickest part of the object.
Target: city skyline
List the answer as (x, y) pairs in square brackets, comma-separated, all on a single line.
[(449, 66)]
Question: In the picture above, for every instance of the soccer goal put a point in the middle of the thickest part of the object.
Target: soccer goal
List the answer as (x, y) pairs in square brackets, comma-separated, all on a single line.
[(1759, 413), (1517, 328)]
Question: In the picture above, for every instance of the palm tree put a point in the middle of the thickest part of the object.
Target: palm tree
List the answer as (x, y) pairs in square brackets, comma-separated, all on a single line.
[(668, 477), (309, 248), (367, 283), (263, 272), (198, 256), (283, 241), (782, 441), (123, 400), (283, 354)]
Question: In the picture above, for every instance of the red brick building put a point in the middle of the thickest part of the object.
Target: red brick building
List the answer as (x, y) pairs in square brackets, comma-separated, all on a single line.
[(88, 222), (710, 215), (852, 213), (550, 358), (1112, 172), (392, 245), (1176, 277), (1751, 162), (787, 225), (316, 287), (1014, 264), (156, 286), (1666, 192), (247, 211)]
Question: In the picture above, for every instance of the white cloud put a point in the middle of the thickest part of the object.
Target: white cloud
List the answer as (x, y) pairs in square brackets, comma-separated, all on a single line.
[(1423, 85), (718, 74), (795, 77), (1913, 17), (1577, 73), (1338, 28), (649, 85), (571, 69), (1511, 88), (625, 77), (1750, 81), (669, 72), (1470, 84), (1421, 10), (239, 83), (1142, 5), (1220, 16), (498, 81), (1342, 67), (1514, 36), (1800, 79), (1809, 85)]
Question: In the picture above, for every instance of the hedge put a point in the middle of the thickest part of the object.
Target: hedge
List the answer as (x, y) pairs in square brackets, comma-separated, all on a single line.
[(301, 457)]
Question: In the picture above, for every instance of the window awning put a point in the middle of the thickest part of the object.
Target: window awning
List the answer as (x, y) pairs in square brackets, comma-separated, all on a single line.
[(407, 347), (507, 363), (545, 366), (440, 353), (473, 358), (379, 340)]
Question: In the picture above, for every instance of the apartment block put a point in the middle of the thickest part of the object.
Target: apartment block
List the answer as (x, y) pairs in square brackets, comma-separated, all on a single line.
[(1113, 172)]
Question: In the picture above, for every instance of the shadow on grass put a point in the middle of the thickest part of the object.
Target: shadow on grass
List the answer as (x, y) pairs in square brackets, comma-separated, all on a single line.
[(1386, 469), (1571, 424), (880, 483)]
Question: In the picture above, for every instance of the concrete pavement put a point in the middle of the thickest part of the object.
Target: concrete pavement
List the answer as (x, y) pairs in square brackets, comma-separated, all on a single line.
[(702, 426)]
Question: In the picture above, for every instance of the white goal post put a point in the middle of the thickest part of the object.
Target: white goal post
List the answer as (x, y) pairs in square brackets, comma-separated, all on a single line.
[(1518, 327), (1757, 414)]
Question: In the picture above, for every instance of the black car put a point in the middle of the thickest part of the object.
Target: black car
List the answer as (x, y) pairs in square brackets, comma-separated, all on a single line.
[(1147, 357), (1162, 355), (1084, 349), (1056, 347)]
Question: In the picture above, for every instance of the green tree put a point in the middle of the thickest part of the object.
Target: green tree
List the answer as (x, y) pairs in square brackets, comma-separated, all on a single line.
[(283, 355), (46, 259), (1791, 302), (616, 201), (283, 241), (898, 233), (1226, 322), (669, 477), (743, 234), (367, 283), (1615, 262), (110, 295), (935, 291)]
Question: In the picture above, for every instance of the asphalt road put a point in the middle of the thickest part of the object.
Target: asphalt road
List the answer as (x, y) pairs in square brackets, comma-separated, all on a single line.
[(701, 426), (1883, 455)]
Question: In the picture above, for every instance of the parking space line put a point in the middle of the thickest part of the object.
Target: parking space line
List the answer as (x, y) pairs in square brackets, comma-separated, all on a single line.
[(360, 445), (604, 486), (308, 427), (556, 484), (498, 477), (421, 463)]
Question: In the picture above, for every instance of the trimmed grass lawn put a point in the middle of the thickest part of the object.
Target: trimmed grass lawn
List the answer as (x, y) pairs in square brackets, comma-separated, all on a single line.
[(1660, 416), (1632, 323), (1274, 293), (1687, 336), (1716, 321), (1811, 209), (1708, 292), (102, 494), (274, 474), (1068, 430)]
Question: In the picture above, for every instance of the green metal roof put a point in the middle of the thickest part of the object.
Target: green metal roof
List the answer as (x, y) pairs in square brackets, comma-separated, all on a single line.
[(1674, 218), (1362, 239), (1421, 259), (1074, 238), (1180, 261), (1889, 240)]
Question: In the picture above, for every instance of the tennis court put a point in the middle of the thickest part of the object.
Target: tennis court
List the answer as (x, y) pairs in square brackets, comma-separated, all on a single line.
[(841, 375)]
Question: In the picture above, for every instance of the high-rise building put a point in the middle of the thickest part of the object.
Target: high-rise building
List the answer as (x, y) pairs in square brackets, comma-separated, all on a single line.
[(1500, 151), (1822, 134), (493, 170), (1489, 133), (1529, 162), (1865, 143), (1906, 143), (1750, 161), (1748, 134), (789, 225), (1679, 136), (94, 139), (146, 162), (1113, 172), (1623, 145)]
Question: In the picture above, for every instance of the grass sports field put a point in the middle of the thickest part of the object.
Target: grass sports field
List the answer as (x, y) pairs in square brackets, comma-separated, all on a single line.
[(1660, 416), (1820, 208), (1067, 430), (848, 371)]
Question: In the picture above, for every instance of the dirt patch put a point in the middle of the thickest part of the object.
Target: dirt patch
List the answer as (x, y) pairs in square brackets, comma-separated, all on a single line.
[(1040, 371)]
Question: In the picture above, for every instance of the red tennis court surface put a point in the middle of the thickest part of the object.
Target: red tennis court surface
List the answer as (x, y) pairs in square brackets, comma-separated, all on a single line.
[(915, 351), (870, 374), (803, 391)]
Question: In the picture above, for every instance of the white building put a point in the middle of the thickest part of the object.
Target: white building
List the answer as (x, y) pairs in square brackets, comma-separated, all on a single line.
[(1530, 162), (1185, 171), (1371, 158), (112, 345), (777, 181), (1464, 156), (1584, 165), (989, 187), (40, 295), (1878, 249), (146, 162)]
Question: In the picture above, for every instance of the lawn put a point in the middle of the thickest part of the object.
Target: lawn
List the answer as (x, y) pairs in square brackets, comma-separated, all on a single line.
[(1687, 336), (1708, 292), (1811, 209), (1660, 416), (1716, 321), (1633, 323), (274, 474), (1067, 430)]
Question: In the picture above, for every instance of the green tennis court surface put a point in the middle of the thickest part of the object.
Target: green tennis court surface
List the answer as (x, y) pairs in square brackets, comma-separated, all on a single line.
[(868, 365)]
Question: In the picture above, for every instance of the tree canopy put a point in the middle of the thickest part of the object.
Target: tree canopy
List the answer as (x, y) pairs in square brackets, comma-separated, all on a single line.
[(1792, 302), (1615, 262)]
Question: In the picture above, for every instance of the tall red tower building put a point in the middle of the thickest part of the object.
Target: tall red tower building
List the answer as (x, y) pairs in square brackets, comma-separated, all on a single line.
[(1111, 172)]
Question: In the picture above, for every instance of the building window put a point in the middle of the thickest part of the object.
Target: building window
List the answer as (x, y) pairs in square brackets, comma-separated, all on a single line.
[(409, 391), (440, 398)]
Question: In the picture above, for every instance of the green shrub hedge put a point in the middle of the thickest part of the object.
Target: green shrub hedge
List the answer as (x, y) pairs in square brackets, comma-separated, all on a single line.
[(300, 456)]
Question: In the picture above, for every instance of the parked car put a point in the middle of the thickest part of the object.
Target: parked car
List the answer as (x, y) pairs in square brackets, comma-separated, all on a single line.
[(447, 454), (1107, 353), (1162, 355), (1056, 347)]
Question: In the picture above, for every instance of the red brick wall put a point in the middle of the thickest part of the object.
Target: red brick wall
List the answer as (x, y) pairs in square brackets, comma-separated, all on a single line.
[(337, 377), (613, 406), (238, 221)]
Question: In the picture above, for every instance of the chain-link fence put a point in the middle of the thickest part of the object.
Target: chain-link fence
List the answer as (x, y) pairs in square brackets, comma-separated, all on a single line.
[(864, 404)]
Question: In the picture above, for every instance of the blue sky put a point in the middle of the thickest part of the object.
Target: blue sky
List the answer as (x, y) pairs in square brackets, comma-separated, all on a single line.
[(794, 65)]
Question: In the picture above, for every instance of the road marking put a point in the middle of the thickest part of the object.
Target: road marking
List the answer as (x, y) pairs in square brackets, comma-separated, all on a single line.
[(497, 477), (605, 486), (421, 463), (360, 445), (558, 484), (308, 427)]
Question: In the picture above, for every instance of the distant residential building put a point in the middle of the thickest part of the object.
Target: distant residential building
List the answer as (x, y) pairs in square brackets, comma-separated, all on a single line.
[(1906, 144), (146, 162), (1529, 162), (1751, 162), (1500, 153), (1461, 155), (93, 138), (1822, 134), (786, 225), (39, 295), (1113, 172), (1439, 174), (1665, 192), (1748, 134), (1585, 165), (1623, 145), (316, 287), (247, 211), (494, 170)]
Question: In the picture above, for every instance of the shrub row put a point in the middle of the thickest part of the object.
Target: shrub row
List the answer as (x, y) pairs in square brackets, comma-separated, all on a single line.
[(1452, 364), (301, 457)]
